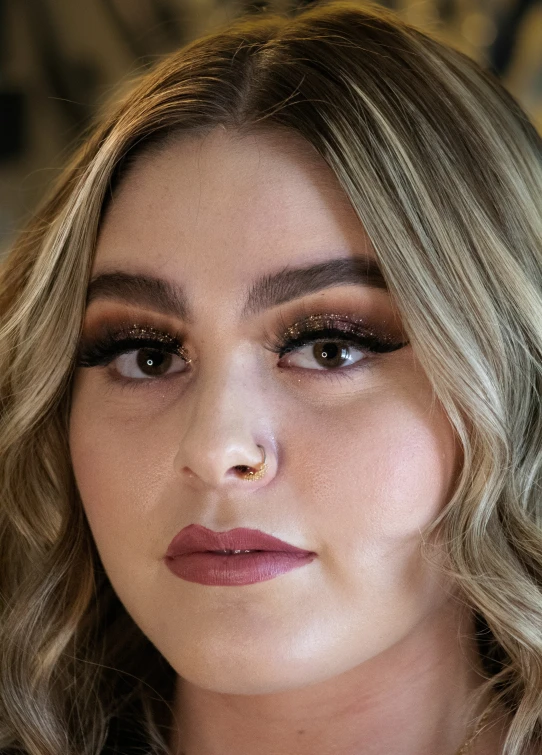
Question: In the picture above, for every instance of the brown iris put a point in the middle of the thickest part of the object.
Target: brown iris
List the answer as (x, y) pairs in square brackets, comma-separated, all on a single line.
[(331, 354), (153, 362)]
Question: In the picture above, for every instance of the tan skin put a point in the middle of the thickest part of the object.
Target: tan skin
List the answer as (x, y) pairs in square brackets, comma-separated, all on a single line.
[(357, 652)]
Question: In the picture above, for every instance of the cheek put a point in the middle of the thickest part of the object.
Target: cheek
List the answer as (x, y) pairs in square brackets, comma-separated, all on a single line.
[(120, 469), (376, 472)]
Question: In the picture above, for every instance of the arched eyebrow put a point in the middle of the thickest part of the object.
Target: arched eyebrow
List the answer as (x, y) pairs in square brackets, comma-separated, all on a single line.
[(270, 290)]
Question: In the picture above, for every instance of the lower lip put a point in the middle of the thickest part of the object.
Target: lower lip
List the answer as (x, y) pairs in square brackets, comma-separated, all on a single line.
[(237, 569)]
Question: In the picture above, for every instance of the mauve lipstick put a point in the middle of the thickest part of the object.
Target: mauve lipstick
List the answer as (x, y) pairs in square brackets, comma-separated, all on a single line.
[(191, 556)]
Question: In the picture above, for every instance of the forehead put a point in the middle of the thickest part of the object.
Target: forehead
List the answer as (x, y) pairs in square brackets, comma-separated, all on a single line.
[(220, 209)]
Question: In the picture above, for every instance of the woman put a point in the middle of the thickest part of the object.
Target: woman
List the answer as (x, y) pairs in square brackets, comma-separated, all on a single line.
[(271, 410)]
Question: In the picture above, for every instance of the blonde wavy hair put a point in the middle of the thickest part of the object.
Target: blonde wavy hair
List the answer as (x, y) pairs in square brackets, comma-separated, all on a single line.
[(444, 171)]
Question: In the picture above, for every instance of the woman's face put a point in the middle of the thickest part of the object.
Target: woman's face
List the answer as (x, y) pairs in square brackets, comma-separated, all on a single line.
[(359, 458)]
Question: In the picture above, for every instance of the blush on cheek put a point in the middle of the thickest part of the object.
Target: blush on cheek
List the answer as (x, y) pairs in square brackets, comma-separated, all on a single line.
[(97, 473), (417, 481), (388, 482), (123, 474)]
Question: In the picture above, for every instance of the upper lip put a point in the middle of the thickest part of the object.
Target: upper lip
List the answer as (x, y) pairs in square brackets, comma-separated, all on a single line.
[(198, 539)]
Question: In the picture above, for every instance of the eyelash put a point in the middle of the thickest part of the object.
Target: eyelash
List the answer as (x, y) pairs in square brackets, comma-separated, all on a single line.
[(112, 343)]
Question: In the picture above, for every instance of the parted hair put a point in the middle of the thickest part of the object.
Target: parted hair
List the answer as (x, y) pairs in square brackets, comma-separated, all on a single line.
[(444, 171)]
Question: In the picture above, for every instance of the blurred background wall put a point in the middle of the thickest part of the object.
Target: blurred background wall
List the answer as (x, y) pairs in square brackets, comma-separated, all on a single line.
[(60, 59)]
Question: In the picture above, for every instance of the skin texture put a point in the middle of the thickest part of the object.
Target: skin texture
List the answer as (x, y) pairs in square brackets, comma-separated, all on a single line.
[(362, 651)]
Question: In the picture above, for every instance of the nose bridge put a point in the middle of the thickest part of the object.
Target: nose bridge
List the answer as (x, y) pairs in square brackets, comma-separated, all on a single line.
[(218, 408), (221, 429)]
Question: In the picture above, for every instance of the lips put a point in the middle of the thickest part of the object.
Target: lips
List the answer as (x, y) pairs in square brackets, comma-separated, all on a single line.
[(198, 539)]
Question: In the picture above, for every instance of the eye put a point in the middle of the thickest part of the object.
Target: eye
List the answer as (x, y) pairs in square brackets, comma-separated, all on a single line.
[(138, 354), (325, 355), (328, 342), (148, 363)]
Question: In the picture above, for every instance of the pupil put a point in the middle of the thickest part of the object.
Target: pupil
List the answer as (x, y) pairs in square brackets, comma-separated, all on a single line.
[(331, 354), (153, 362)]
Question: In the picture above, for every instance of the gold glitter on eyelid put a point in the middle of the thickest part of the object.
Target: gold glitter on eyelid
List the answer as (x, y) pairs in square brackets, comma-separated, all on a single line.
[(135, 331), (351, 324)]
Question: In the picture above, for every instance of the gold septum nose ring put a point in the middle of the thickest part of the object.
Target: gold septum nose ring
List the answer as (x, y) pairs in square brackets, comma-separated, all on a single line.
[(253, 473)]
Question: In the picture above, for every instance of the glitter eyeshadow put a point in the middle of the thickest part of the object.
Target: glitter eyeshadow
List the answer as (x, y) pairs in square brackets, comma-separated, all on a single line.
[(135, 331), (348, 325)]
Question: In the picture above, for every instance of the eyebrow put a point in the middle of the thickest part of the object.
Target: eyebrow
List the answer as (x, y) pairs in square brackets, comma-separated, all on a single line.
[(268, 291)]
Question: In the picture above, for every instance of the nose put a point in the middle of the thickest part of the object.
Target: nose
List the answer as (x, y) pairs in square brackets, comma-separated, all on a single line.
[(225, 435)]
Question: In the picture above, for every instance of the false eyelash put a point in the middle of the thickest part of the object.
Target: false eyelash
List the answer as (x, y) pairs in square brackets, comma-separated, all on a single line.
[(113, 342), (341, 328)]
